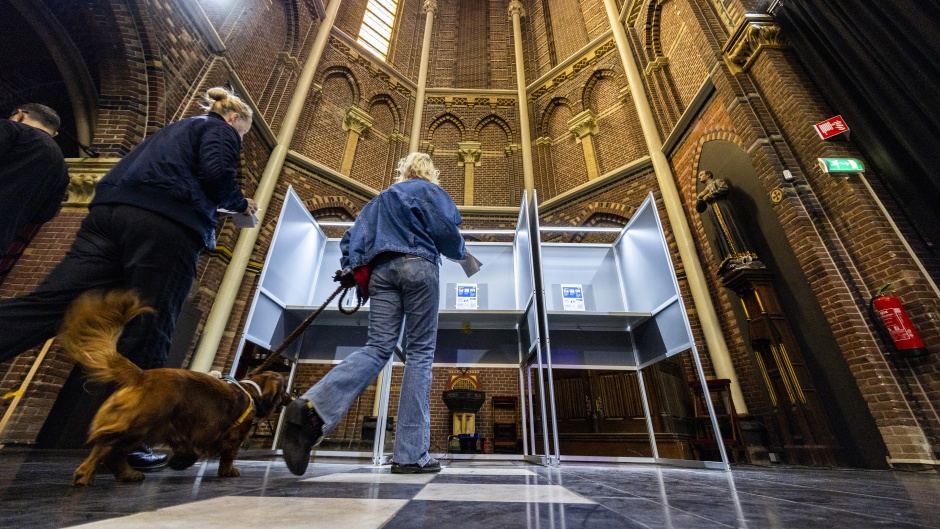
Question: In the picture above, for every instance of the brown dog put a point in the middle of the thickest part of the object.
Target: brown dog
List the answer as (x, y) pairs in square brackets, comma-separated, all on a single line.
[(196, 414)]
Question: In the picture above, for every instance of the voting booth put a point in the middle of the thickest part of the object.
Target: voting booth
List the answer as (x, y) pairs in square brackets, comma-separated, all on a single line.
[(531, 307), (609, 307)]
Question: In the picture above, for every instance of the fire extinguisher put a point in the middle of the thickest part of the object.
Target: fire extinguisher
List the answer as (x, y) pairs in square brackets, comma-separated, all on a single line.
[(894, 320)]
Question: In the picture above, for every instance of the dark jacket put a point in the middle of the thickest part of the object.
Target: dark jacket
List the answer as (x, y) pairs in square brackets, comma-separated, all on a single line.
[(414, 217), (185, 171), (33, 178)]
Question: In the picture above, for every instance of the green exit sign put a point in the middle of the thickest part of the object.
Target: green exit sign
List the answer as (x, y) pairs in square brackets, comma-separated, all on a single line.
[(841, 165)]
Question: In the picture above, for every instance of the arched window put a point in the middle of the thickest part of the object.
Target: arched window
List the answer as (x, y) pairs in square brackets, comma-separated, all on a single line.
[(377, 23)]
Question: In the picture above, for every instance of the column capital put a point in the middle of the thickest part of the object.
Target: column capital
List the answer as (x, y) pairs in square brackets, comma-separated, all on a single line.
[(469, 152), (357, 120), (429, 6), (516, 8), (756, 32), (84, 175), (583, 124)]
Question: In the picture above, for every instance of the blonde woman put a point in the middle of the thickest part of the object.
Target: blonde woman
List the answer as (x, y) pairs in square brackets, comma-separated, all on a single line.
[(152, 215), (399, 238)]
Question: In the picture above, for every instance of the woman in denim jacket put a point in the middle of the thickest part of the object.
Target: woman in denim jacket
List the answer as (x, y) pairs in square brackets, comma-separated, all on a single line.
[(400, 235)]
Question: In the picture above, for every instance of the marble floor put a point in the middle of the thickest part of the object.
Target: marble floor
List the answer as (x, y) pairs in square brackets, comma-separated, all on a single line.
[(35, 493)]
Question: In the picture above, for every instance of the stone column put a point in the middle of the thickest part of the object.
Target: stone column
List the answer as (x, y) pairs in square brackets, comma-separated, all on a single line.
[(701, 299), (355, 123), (584, 127), (430, 9), (468, 155), (235, 272), (516, 12)]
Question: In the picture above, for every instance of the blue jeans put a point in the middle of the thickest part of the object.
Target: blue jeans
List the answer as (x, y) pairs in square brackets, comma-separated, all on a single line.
[(405, 289)]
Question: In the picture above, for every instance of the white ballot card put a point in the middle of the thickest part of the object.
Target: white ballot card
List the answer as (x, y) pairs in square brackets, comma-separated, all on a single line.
[(240, 219), (466, 296), (572, 297), (470, 264)]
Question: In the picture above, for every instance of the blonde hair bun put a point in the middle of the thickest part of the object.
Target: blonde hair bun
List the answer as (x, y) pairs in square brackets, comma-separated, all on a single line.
[(218, 94), (223, 101)]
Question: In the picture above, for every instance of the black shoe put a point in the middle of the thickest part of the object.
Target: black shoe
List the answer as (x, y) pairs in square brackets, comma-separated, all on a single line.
[(144, 460), (303, 429), (431, 467)]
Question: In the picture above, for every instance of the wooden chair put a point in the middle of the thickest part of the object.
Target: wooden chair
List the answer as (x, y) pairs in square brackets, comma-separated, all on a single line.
[(704, 435)]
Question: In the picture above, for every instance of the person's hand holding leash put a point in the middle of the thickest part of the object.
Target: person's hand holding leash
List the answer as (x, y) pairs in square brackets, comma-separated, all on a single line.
[(345, 279)]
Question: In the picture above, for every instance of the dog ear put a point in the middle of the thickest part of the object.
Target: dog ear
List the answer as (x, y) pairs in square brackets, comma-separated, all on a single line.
[(271, 384)]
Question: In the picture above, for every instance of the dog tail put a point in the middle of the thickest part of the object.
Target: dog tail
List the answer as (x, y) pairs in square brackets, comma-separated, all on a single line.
[(91, 328)]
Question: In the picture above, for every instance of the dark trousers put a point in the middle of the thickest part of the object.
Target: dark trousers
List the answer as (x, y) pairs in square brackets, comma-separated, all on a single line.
[(116, 246)]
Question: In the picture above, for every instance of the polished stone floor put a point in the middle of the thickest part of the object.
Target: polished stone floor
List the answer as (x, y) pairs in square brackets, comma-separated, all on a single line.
[(35, 493)]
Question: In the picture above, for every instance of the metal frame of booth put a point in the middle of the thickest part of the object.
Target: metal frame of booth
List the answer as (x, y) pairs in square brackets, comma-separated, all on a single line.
[(517, 307)]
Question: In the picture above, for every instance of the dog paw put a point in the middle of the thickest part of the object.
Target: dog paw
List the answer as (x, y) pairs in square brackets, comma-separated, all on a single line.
[(80, 479), (182, 461), (230, 472)]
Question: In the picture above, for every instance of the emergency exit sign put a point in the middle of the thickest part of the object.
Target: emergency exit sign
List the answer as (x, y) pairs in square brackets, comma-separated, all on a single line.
[(831, 127), (841, 165)]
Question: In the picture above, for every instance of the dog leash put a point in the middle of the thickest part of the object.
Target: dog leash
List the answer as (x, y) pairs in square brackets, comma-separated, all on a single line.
[(306, 323)]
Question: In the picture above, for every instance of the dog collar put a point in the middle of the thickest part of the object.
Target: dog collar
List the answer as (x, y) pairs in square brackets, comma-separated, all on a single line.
[(251, 400), (252, 384)]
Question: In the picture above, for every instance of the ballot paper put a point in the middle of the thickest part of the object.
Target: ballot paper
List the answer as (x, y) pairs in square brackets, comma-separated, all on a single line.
[(240, 219), (470, 264), (572, 297), (466, 296)]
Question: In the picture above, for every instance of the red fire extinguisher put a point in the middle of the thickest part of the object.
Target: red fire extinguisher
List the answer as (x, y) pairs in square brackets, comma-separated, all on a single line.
[(894, 319)]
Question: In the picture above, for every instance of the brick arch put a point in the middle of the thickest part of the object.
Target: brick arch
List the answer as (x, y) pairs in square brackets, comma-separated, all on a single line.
[(389, 101), (334, 205), (291, 25), (446, 118), (550, 108), (116, 40), (157, 115), (591, 83), (652, 41), (347, 74), (598, 213), (491, 119)]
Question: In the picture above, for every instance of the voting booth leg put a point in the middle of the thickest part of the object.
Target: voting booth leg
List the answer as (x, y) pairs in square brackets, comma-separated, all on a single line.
[(280, 418), (378, 448), (522, 403), (646, 411)]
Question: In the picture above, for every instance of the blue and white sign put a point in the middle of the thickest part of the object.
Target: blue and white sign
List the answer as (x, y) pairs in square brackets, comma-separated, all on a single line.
[(466, 296), (572, 297)]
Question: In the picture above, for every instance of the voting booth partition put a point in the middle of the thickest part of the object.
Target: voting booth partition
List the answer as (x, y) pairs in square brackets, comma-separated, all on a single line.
[(612, 306)]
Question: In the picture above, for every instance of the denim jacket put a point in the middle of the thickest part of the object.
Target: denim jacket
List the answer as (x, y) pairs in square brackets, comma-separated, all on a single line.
[(414, 217)]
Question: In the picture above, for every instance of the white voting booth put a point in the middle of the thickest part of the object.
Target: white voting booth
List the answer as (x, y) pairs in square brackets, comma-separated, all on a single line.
[(631, 316), (628, 290)]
